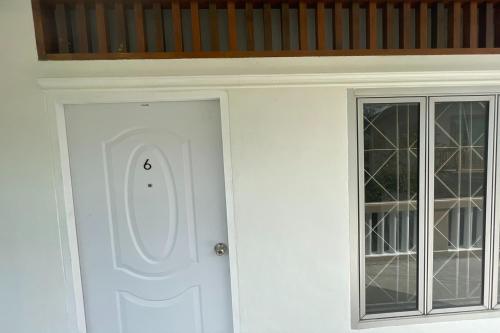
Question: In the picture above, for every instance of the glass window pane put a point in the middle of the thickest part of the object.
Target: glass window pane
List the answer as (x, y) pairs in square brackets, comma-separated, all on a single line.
[(461, 132), (391, 158)]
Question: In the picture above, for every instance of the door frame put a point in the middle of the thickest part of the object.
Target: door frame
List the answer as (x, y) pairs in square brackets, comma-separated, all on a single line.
[(55, 101)]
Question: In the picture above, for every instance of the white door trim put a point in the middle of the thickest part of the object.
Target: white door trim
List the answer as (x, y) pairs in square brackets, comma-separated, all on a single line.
[(55, 102)]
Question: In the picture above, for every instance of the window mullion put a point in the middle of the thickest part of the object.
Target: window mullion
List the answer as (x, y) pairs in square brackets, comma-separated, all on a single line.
[(430, 207), (422, 263)]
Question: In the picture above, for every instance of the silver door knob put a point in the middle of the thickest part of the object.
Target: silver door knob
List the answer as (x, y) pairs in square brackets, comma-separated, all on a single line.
[(220, 249)]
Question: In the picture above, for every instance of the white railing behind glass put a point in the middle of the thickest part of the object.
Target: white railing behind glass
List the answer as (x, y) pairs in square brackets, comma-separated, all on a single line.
[(391, 227)]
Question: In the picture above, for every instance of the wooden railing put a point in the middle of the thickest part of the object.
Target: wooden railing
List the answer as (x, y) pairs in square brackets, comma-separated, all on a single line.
[(120, 29)]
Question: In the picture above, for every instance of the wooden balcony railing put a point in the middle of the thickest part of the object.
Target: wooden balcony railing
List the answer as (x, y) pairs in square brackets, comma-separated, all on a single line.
[(121, 29)]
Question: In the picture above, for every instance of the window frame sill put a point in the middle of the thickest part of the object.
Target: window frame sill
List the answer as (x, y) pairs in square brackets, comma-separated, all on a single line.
[(426, 319)]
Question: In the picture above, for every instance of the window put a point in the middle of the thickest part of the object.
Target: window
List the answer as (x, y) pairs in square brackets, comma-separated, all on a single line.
[(427, 231)]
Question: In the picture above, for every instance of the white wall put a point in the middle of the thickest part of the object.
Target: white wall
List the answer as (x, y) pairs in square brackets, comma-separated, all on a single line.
[(290, 179)]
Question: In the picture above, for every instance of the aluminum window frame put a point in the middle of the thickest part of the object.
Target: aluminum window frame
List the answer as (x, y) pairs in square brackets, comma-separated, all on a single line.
[(491, 301), (495, 257), (421, 207), (488, 235)]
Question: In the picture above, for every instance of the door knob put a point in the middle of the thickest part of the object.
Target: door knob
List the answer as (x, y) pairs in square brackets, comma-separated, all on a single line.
[(220, 249)]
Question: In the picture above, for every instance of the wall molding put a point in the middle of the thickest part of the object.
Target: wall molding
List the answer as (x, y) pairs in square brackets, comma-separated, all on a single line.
[(348, 80)]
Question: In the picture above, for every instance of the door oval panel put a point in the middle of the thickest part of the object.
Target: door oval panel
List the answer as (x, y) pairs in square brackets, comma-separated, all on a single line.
[(151, 203), (149, 189)]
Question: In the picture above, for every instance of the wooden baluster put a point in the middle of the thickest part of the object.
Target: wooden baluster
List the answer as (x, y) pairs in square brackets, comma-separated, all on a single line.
[(354, 25), (405, 28), (101, 27), (489, 32), (371, 25), (303, 43), (388, 25), (214, 26), (195, 25), (177, 25), (454, 12), (249, 26), (471, 25), (268, 27), (231, 25), (422, 20), (140, 38), (81, 27), (320, 25), (158, 21), (438, 28), (121, 31), (62, 28), (285, 26), (496, 29), (338, 26)]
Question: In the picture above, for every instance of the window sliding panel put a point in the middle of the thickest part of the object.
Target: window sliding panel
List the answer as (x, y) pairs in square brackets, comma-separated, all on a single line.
[(460, 152), (391, 157)]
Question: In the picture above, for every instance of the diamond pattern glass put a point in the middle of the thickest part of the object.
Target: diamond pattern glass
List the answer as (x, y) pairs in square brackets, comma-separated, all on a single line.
[(459, 202), (391, 159)]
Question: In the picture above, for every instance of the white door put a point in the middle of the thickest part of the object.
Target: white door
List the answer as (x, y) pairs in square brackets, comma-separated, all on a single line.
[(148, 186)]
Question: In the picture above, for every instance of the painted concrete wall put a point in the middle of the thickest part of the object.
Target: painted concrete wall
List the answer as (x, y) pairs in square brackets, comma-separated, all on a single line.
[(290, 179)]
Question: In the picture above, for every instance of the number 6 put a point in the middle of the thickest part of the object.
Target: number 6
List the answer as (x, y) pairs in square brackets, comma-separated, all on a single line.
[(146, 165)]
